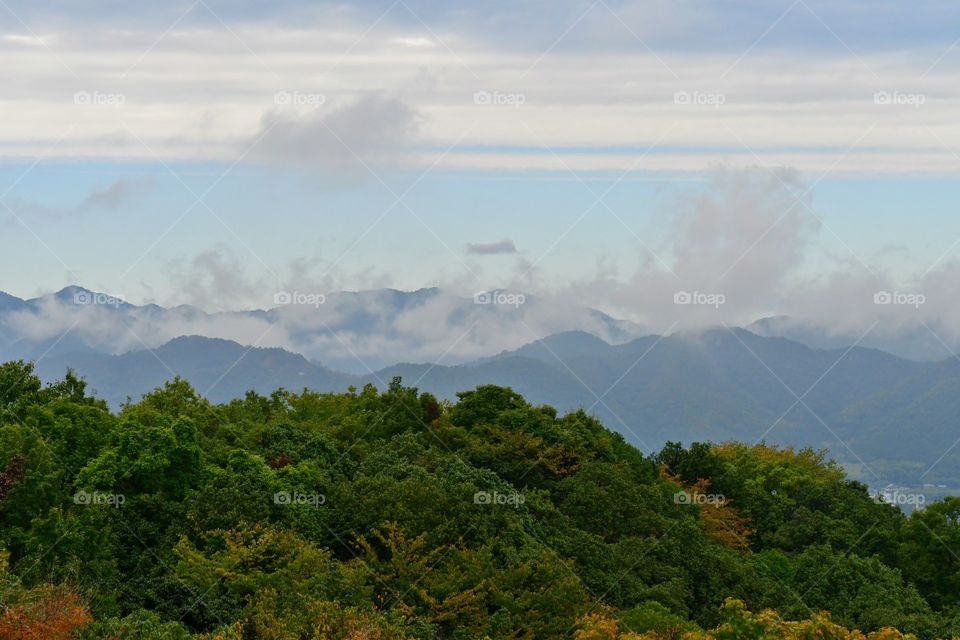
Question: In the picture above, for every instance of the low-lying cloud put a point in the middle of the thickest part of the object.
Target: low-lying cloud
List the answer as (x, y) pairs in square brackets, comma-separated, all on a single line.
[(738, 250)]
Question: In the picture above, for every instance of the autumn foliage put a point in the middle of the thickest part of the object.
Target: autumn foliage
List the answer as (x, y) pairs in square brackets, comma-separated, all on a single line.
[(43, 613)]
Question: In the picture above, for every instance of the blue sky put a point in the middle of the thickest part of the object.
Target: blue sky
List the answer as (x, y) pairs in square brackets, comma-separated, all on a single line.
[(212, 152)]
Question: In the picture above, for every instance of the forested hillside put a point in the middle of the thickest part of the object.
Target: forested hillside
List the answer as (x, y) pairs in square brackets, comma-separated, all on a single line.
[(890, 420), (391, 514)]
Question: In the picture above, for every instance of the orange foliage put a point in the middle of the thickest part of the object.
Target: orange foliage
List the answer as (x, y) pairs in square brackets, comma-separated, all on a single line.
[(47, 614), (602, 626), (560, 460), (722, 523)]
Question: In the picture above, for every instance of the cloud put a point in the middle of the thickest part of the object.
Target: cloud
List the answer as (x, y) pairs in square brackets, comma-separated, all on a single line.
[(116, 330), (743, 236), (711, 24), (348, 331), (749, 245), (199, 93), (114, 196), (502, 247), (117, 194), (219, 279), (352, 139), (216, 279), (744, 232), (740, 247)]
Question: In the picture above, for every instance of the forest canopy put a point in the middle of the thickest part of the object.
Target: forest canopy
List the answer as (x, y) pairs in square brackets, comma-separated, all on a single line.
[(391, 514)]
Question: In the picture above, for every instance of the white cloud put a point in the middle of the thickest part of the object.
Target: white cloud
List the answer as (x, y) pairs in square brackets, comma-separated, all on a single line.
[(201, 94), (747, 236)]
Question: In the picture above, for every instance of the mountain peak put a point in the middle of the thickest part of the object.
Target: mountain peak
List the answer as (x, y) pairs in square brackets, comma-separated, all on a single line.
[(563, 345), (71, 290), (75, 294), (10, 302)]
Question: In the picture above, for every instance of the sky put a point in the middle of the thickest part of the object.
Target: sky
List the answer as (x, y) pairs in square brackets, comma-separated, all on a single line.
[(792, 157)]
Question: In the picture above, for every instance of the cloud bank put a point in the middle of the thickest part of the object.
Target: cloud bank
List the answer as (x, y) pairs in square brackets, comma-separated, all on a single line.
[(744, 247)]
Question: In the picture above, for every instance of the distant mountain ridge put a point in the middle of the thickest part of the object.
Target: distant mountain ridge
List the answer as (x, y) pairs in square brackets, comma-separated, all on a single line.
[(888, 417), (347, 331), (220, 369), (893, 419), (912, 342)]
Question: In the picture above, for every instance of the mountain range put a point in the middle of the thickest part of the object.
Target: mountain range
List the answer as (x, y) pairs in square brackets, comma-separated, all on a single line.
[(347, 331), (887, 418)]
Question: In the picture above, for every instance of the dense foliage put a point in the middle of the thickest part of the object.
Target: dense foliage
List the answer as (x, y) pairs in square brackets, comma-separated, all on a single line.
[(393, 515)]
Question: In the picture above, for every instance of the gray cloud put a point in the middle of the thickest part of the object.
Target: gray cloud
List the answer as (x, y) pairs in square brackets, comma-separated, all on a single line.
[(502, 247), (220, 279), (112, 197), (348, 140), (216, 279), (118, 193)]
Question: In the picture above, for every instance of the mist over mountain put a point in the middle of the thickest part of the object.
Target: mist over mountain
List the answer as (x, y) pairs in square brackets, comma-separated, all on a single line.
[(910, 340), (348, 331), (890, 419)]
